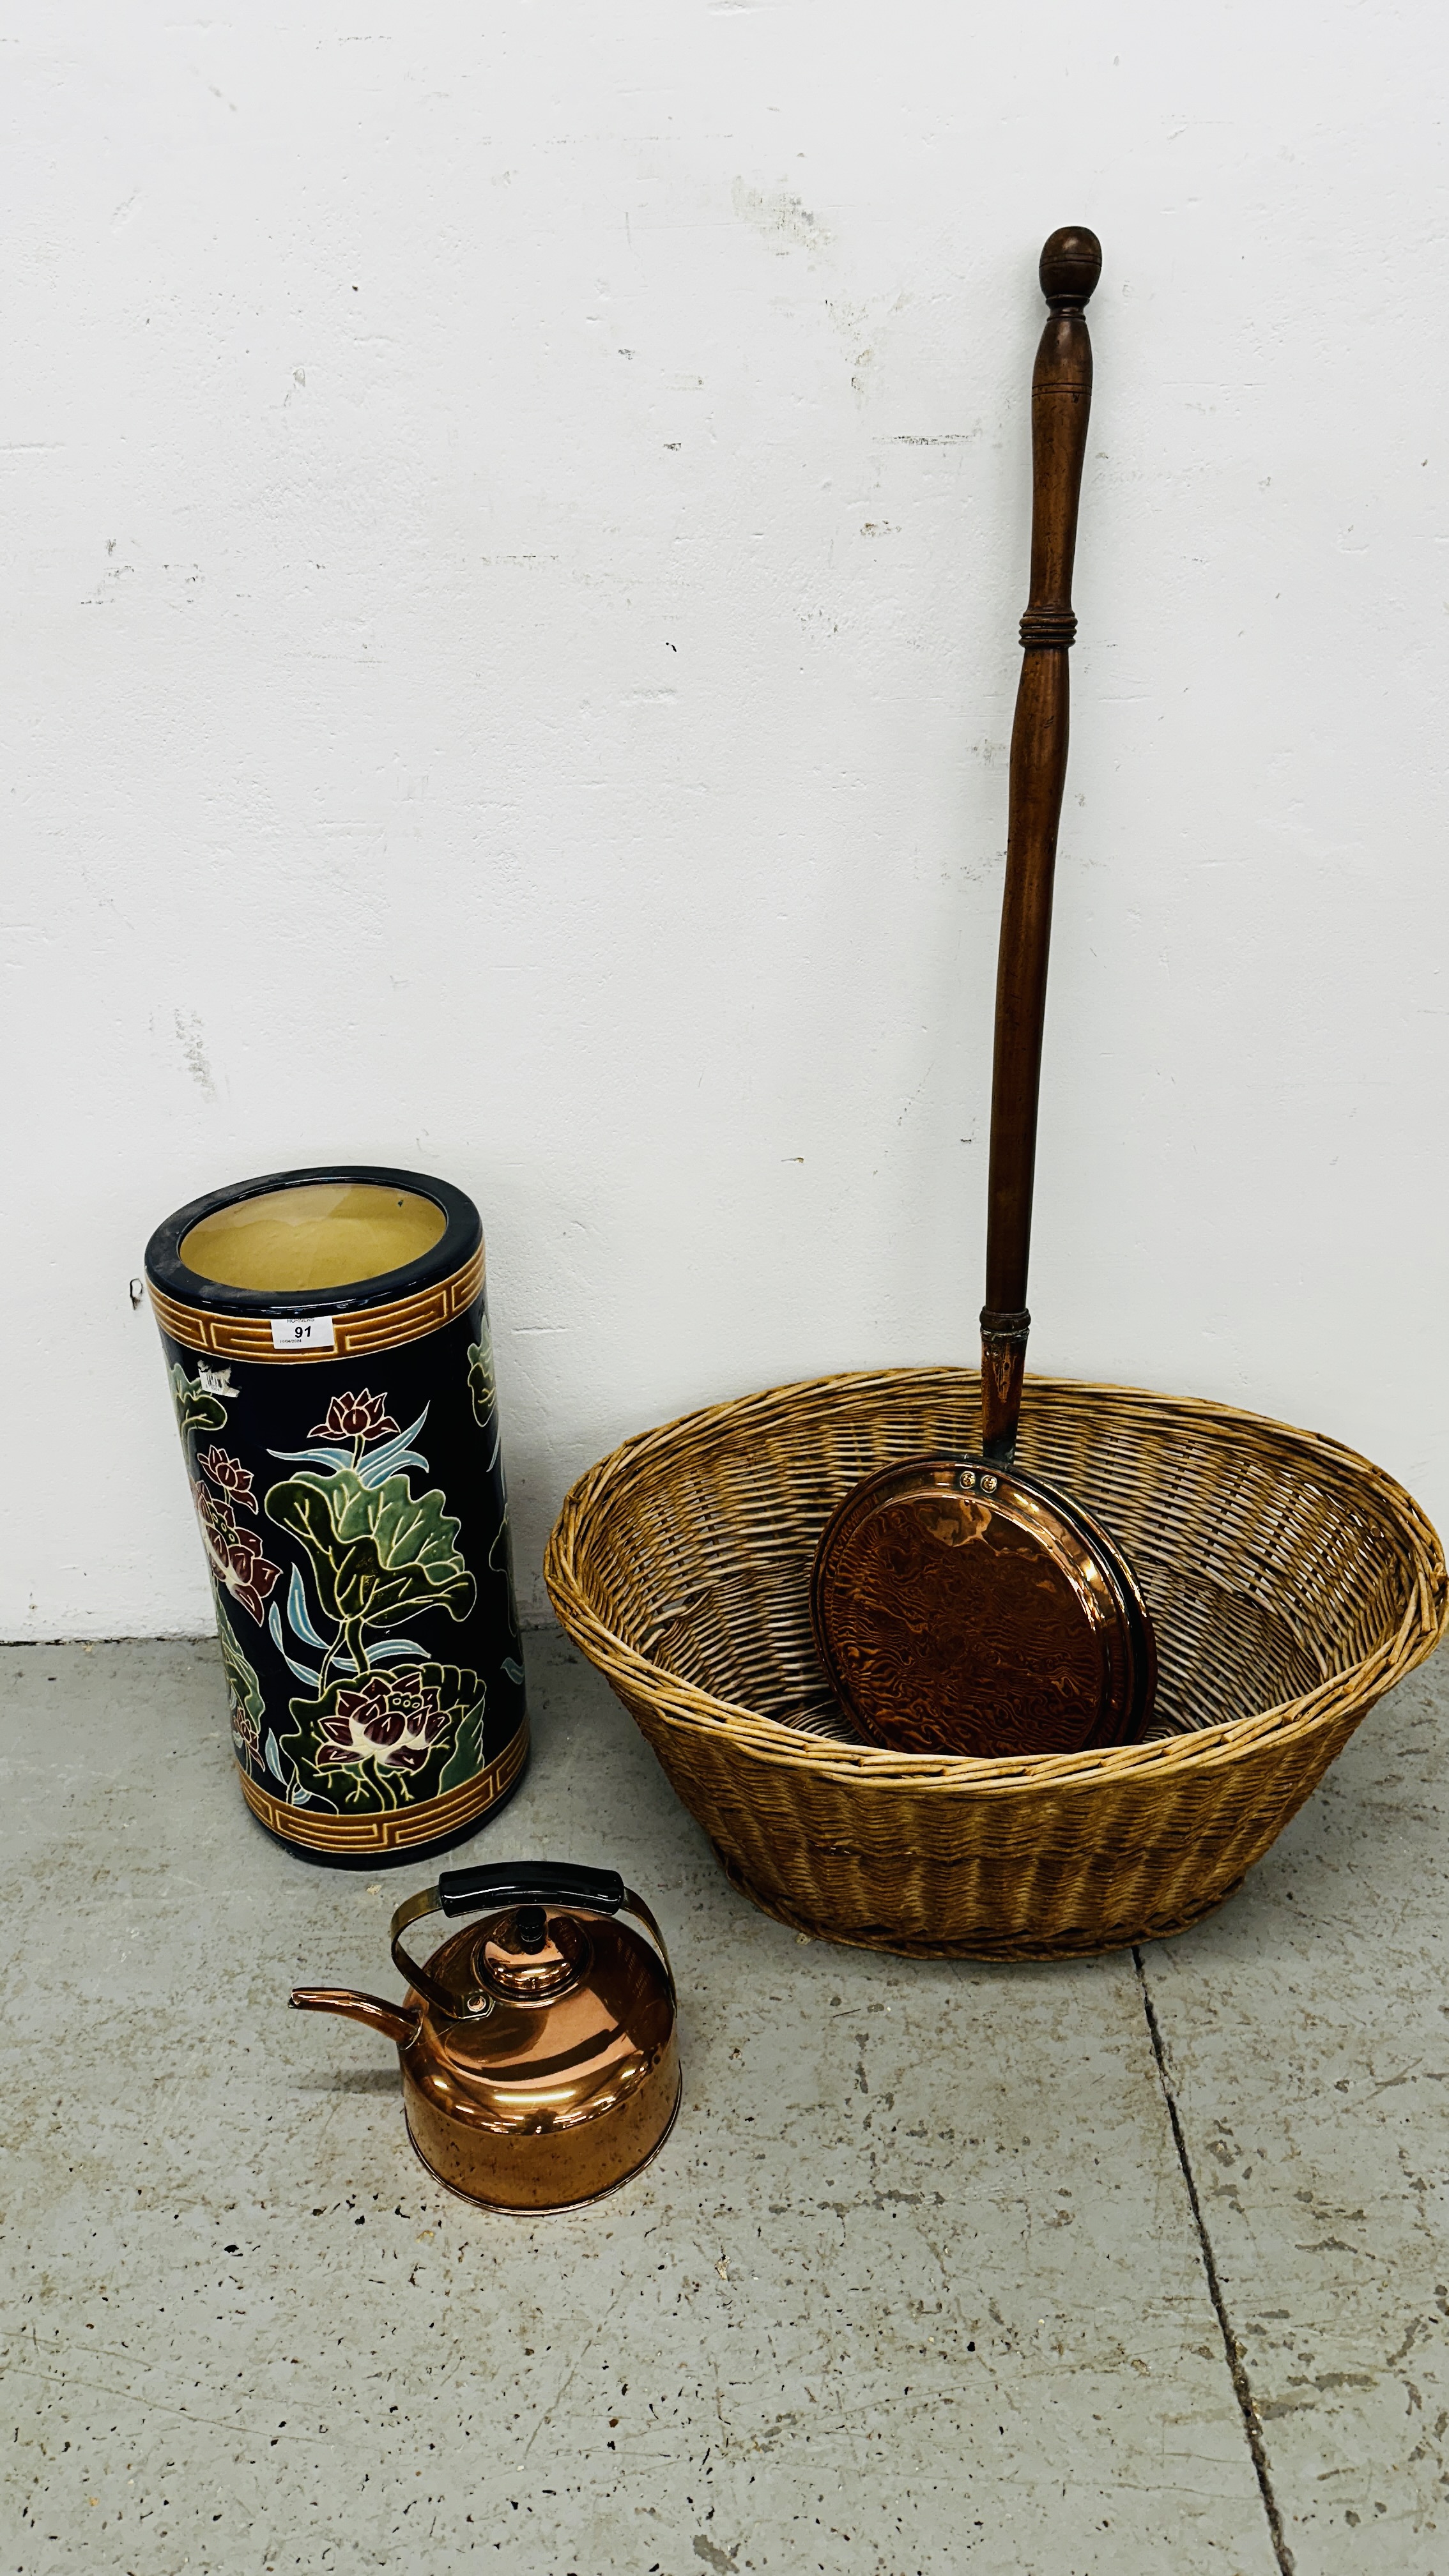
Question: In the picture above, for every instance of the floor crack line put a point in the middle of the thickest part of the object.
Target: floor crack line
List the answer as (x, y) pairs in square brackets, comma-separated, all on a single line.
[(1233, 2350)]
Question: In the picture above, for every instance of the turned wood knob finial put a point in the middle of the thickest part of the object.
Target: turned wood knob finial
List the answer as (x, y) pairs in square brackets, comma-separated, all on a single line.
[(1071, 264)]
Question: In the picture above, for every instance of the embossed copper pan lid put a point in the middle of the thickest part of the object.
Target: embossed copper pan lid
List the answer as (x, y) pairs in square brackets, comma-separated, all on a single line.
[(959, 1606), (962, 1607)]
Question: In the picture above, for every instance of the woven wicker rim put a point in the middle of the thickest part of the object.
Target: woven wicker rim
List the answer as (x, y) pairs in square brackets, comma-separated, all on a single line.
[(1205, 1748)]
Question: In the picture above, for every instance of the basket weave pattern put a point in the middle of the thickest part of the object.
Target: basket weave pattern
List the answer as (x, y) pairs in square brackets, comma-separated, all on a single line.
[(1291, 1584)]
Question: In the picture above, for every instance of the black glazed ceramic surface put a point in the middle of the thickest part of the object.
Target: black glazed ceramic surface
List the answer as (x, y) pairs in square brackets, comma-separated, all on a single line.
[(352, 1504)]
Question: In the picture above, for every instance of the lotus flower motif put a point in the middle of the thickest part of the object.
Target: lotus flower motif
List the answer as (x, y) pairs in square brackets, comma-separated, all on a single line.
[(392, 1720), (235, 1553), (234, 1479), (360, 1416)]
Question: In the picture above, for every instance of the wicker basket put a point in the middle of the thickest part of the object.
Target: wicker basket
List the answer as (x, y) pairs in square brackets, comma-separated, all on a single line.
[(1292, 1584)]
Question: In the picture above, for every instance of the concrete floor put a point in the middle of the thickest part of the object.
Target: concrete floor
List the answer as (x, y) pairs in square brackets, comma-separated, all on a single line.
[(1047, 2271)]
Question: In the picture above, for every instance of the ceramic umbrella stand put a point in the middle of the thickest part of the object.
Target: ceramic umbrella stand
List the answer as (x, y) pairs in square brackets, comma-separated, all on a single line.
[(326, 1339)]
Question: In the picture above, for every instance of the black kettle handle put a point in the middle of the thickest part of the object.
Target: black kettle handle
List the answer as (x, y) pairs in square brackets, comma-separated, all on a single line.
[(522, 1882), (530, 1882)]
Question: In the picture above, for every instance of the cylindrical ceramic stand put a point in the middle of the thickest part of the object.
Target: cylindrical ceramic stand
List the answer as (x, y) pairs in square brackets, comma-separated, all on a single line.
[(326, 1334)]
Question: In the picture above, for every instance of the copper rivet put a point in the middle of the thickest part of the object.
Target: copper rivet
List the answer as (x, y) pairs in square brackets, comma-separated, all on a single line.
[(478, 2003), (966, 1479), (988, 1484)]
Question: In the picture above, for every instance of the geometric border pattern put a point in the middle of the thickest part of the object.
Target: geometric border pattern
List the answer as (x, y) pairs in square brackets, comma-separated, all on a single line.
[(367, 1328), (401, 1826)]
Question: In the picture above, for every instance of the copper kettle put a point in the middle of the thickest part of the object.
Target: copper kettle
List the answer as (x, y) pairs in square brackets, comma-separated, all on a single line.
[(540, 2056)]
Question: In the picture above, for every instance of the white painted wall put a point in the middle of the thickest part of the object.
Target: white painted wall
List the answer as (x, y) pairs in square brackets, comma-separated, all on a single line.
[(514, 522)]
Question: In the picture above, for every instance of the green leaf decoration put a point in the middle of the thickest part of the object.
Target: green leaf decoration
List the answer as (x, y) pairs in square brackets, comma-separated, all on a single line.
[(482, 1384), (467, 1755), (243, 1687), (195, 1409), (379, 1555), (377, 1741)]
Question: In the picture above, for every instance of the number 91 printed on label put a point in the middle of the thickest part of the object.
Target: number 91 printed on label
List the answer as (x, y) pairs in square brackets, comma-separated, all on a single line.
[(303, 1333)]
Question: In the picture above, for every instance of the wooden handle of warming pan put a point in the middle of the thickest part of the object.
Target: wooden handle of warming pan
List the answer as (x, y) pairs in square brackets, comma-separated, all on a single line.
[(1061, 402)]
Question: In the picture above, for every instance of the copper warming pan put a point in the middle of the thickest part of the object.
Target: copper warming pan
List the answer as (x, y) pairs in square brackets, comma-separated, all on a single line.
[(958, 1605)]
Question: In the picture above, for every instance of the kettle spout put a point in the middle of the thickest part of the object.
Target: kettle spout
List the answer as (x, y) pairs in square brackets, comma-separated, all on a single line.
[(395, 2021)]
